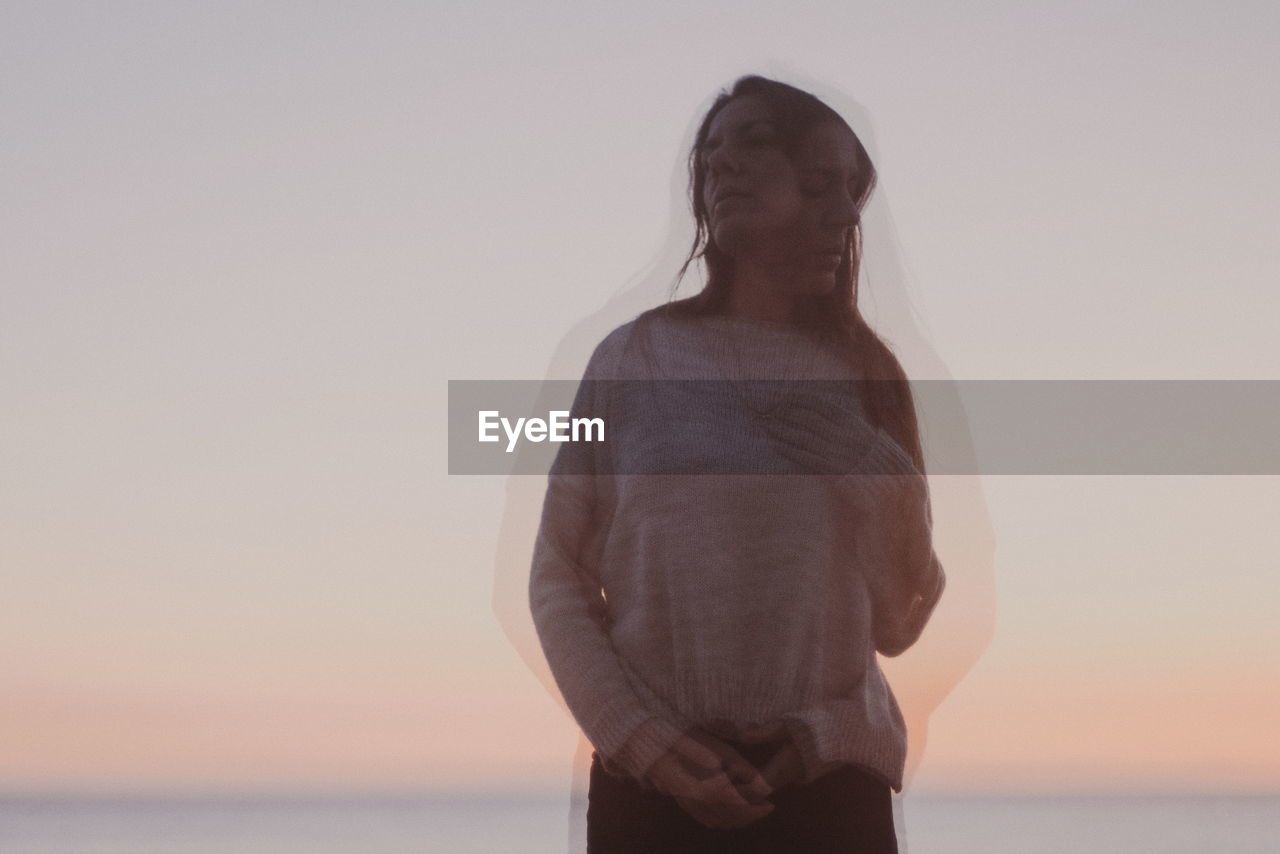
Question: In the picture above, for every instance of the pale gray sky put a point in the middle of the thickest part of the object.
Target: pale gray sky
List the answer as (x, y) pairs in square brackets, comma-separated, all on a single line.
[(245, 245)]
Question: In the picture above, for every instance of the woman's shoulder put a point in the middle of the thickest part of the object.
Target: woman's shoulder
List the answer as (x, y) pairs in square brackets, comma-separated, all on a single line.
[(616, 348), (638, 334), (658, 317)]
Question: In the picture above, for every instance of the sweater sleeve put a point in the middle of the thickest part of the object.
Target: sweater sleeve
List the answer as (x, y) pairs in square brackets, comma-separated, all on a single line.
[(885, 505), (570, 612), (892, 528)]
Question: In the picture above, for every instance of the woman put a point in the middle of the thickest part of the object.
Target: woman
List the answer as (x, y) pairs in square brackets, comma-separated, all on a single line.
[(711, 620)]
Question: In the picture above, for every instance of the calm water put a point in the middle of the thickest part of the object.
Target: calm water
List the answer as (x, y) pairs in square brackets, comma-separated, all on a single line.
[(541, 825)]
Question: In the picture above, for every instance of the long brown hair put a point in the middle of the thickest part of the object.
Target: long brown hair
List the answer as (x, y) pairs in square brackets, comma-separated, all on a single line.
[(884, 387)]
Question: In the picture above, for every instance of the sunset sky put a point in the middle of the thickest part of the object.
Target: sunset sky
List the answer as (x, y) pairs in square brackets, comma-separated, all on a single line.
[(246, 246)]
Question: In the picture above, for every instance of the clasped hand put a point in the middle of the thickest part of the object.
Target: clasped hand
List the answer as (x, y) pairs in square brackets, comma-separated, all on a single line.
[(716, 785), (820, 435)]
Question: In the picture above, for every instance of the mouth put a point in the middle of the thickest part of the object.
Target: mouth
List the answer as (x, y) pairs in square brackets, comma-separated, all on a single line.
[(831, 258)]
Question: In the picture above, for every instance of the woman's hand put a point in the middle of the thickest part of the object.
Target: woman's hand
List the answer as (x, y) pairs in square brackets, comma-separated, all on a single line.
[(785, 767), (746, 776), (712, 782), (820, 436)]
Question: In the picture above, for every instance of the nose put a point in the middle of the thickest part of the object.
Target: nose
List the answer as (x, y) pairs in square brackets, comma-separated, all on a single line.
[(719, 160), (843, 211)]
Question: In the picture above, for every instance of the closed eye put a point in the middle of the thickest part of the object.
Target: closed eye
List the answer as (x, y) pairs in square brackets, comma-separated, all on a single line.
[(759, 133), (816, 182)]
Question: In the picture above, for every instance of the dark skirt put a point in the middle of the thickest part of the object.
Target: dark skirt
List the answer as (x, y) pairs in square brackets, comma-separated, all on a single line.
[(846, 810)]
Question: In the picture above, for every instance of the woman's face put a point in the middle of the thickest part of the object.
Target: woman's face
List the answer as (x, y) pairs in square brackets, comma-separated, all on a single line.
[(790, 220)]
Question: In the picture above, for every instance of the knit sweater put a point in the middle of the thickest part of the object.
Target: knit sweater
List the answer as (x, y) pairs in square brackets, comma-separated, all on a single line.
[(734, 602)]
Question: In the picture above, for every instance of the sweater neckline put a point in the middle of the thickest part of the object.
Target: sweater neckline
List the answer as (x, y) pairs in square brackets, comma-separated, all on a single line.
[(766, 325)]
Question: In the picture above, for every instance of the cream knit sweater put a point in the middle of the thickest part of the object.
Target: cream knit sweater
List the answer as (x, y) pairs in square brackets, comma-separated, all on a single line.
[(730, 600)]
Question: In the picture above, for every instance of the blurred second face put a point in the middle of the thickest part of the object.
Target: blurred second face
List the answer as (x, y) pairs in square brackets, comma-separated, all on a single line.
[(789, 220)]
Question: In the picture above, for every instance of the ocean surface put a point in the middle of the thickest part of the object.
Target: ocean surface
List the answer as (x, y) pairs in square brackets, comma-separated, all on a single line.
[(540, 824)]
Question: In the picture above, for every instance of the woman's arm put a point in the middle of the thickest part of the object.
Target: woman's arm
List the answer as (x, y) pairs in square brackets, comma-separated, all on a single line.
[(883, 521), (885, 515), (569, 611), (890, 531)]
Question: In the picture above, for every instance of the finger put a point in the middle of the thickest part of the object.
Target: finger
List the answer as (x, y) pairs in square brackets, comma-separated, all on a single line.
[(821, 450), (821, 414), (785, 767), (720, 789), (721, 796), (818, 415), (741, 772), (714, 788), (749, 780), (807, 460), (700, 759), (773, 769)]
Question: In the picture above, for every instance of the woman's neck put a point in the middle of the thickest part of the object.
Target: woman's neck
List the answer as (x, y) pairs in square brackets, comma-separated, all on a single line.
[(762, 301)]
